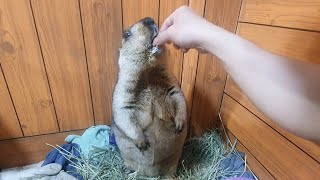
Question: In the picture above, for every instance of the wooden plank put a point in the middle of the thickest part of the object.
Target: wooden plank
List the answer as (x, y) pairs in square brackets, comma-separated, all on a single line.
[(190, 63), (253, 163), (102, 25), (24, 69), (302, 14), (59, 26), (211, 77), (279, 156), (285, 42), (9, 124), (24, 151), (135, 10), (309, 147), (172, 57)]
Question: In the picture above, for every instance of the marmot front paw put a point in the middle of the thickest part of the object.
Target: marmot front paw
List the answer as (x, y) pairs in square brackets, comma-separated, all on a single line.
[(143, 144), (179, 126)]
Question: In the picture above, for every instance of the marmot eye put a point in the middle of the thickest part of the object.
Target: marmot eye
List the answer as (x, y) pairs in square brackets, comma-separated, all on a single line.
[(127, 35)]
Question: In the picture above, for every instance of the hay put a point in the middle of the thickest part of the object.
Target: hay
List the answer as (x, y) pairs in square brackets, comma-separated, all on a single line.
[(201, 158), (200, 161)]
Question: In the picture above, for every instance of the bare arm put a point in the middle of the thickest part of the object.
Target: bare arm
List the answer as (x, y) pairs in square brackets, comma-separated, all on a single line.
[(287, 91)]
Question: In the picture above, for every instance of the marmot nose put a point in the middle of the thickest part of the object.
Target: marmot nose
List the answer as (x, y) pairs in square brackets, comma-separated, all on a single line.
[(148, 21)]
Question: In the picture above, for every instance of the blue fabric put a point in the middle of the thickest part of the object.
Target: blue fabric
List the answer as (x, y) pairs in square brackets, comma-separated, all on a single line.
[(112, 139), (95, 136), (54, 156), (235, 164)]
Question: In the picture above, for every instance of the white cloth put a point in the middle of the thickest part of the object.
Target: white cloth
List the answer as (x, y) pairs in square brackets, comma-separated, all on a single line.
[(36, 172)]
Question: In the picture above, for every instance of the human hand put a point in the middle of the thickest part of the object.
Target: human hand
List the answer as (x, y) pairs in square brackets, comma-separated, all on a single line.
[(185, 29)]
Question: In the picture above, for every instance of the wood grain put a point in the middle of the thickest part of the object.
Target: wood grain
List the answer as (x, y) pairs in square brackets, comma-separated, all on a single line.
[(102, 25), (302, 14), (135, 10), (171, 56), (60, 33), (24, 69), (279, 156), (29, 150), (9, 124), (190, 63), (285, 42), (255, 166), (309, 147), (211, 77)]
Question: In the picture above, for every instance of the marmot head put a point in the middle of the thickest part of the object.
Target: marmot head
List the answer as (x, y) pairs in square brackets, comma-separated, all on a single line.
[(137, 41)]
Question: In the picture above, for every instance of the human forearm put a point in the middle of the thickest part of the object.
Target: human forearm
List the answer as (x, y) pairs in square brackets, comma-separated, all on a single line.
[(285, 90)]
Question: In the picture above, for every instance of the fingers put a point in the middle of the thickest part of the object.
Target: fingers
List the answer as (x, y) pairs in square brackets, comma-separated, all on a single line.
[(201, 51), (167, 23), (176, 47), (184, 50), (163, 37)]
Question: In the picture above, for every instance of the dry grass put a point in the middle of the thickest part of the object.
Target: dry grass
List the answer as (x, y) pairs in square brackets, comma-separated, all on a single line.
[(200, 161)]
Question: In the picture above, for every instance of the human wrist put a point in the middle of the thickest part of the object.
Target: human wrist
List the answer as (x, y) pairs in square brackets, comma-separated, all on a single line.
[(210, 37)]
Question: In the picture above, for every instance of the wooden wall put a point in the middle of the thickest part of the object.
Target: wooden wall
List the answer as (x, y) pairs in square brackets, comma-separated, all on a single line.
[(58, 66), (290, 28)]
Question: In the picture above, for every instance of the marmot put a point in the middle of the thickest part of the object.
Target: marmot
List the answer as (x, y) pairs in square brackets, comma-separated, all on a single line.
[(149, 109)]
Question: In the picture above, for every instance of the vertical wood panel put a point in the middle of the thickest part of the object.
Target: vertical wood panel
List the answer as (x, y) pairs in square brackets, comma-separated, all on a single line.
[(60, 33), (102, 25), (171, 56), (134, 10), (23, 68), (278, 155), (190, 63), (211, 77), (9, 124)]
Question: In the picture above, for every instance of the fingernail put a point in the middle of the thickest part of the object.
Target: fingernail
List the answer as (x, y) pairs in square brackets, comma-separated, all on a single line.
[(155, 41)]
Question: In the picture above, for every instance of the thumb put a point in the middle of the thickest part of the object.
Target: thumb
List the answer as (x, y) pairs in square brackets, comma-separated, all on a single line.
[(163, 37)]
